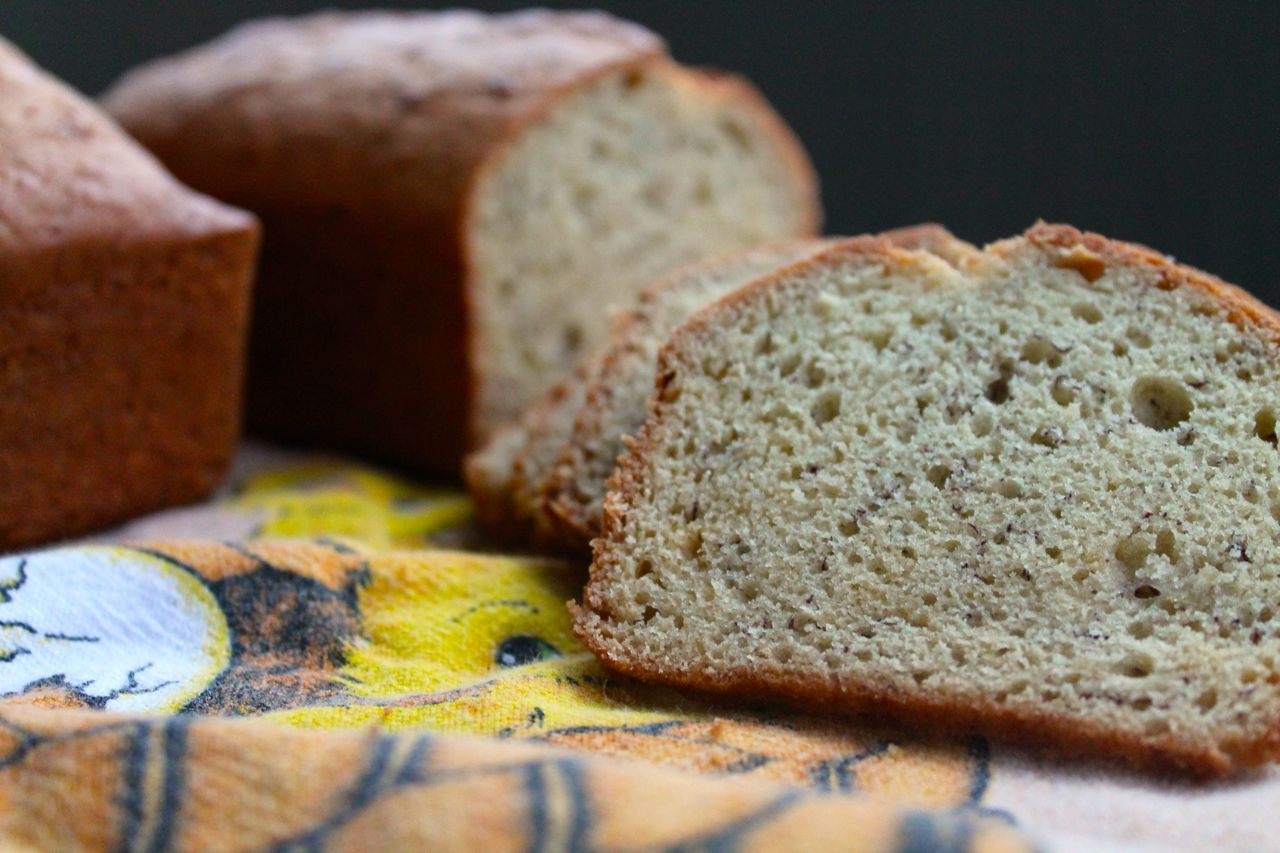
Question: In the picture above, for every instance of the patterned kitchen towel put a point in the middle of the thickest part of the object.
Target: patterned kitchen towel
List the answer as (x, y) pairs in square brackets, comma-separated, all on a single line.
[(337, 601)]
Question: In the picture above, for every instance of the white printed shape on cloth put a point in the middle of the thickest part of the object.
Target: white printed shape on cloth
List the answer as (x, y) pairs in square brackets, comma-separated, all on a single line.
[(120, 628)]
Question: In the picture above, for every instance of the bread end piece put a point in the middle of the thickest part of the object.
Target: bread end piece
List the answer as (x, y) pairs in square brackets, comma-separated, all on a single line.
[(123, 308)]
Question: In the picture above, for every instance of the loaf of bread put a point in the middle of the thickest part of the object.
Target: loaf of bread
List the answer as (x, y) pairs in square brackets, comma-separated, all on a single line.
[(1034, 493), (123, 302), (451, 200)]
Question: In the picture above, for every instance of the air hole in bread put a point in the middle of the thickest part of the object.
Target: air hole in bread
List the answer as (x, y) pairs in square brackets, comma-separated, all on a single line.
[(1160, 403), (938, 475), (1167, 545), (827, 408), (879, 338), (814, 375), (1139, 338), (1232, 350), (584, 196), (1136, 665), (1132, 551), (1047, 437), (998, 390), (1140, 630), (1009, 489), (1264, 426), (736, 134), (1041, 351), (1089, 313), (572, 338)]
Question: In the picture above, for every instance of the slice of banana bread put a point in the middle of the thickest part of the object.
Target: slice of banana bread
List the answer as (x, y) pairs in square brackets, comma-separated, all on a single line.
[(453, 200), (614, 406), (123, 311), (1036, 494)]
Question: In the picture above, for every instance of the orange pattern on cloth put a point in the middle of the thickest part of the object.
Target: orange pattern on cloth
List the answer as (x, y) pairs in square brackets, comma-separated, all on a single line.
[(75, 780)]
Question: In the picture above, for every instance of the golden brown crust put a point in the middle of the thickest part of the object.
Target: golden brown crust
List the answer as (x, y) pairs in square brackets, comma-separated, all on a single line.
[(1056, 733), (123, 310), (1242, 307)]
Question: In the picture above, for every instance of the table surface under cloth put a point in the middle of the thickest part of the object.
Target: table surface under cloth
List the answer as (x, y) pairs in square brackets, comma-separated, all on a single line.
[(325, 656)]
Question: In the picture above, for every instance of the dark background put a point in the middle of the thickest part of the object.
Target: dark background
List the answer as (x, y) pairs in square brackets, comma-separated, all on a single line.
[(1154, 122)]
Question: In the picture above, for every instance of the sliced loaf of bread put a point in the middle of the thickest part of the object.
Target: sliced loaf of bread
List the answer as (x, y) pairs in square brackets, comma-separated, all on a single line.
[(452, 200), (1034, 494)]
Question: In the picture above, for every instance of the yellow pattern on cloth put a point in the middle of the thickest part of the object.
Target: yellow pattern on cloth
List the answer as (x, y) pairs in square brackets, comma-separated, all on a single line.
[(343, 627), (343, 499)]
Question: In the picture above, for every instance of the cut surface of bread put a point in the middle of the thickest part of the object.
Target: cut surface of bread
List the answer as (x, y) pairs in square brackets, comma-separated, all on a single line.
[(638, 173), (614, 406), (453, 200), (517, 509), (123, 314), (1035, 494)]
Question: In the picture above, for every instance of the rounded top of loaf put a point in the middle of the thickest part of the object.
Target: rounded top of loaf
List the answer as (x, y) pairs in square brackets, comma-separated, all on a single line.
[(69, 174), (411, 55), (396, 105)]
